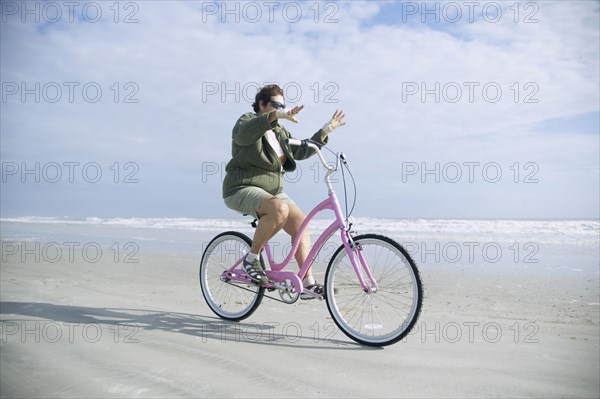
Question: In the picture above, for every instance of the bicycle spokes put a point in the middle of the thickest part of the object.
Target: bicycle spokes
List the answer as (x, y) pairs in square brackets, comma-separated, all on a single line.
[(384, 312)]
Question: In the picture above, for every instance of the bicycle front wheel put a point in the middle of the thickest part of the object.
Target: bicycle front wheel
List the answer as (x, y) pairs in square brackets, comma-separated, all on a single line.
[(228, 299), (384, 315)]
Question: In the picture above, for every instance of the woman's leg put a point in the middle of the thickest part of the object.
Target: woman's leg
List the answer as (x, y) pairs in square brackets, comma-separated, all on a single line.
[(292, 226), (273, 214)]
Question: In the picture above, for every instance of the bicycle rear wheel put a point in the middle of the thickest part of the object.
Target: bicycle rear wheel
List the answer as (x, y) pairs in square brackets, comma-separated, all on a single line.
[(228, 299), (386, 315)]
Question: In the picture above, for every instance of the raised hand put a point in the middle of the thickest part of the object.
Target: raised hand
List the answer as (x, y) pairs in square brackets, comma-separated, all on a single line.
[(290, 115), (334, 122)]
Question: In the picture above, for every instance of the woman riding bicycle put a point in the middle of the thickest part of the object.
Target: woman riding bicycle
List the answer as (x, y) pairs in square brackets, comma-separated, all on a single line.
[(254, 181)]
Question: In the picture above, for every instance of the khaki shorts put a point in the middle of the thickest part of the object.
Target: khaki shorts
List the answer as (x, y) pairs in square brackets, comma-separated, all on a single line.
[(248, 199)]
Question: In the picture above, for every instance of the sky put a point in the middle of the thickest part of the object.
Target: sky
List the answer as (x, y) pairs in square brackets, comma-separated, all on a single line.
[(477, 110)]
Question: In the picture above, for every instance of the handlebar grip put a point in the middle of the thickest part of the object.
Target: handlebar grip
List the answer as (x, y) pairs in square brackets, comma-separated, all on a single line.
[(308, 143)]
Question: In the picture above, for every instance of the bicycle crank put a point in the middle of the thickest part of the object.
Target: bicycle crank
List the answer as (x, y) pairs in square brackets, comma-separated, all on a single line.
[(285, 291)]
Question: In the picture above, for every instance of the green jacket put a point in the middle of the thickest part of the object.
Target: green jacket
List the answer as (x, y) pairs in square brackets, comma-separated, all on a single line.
[(253, 160)]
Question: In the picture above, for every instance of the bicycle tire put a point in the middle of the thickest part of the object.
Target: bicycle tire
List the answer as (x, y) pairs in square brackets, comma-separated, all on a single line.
[(227, 300), (386, 315)]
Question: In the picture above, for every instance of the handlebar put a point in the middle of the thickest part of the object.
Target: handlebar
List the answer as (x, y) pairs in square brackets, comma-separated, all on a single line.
[(331, 169), (307, 143)]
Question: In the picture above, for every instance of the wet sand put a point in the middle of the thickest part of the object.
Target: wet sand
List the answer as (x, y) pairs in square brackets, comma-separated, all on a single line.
[(112, 328)]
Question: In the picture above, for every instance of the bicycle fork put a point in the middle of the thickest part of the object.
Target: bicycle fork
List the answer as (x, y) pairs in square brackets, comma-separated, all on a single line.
[(359, 263)]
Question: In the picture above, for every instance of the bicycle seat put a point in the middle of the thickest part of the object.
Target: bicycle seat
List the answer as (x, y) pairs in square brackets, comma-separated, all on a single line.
[(252, 223)]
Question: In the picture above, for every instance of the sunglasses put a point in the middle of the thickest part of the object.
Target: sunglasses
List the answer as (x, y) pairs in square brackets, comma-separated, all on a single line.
[(277, 105)]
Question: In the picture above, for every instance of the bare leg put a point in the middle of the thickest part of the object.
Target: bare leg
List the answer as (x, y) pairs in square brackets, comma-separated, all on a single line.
[(292, 226), (273, 214)]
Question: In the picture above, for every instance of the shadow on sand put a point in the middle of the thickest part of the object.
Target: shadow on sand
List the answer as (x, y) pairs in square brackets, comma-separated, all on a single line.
[(206, 328)]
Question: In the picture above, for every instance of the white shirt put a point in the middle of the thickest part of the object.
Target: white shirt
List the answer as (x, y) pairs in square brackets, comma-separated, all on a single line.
[(272, 138)]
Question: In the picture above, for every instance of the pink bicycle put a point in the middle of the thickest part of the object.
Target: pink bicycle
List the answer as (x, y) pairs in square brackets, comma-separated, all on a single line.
[(372, 286)]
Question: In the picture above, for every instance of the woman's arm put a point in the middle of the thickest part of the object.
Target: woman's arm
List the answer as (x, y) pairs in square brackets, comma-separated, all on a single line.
[(249, 128)]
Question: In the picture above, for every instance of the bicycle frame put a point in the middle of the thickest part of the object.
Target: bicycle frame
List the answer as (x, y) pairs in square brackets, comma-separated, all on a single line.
[(276, 272)]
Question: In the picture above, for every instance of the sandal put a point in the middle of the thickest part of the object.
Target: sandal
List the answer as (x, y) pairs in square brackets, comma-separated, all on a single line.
[(313, 291), (255, 271)]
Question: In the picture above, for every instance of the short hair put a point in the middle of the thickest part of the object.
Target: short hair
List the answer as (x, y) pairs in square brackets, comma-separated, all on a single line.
[(265, 94)]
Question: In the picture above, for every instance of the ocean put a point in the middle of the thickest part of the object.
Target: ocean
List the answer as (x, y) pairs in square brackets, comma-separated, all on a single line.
[(524, 246)]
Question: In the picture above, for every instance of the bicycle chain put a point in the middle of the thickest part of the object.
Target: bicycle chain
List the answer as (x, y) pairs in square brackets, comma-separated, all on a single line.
[(263, 294)]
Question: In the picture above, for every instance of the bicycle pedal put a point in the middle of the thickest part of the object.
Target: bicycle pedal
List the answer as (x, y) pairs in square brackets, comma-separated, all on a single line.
[(307, 296), (269, 285)]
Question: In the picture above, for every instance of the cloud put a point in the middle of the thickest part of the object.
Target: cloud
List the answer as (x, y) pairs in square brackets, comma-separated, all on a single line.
[(412, 91)]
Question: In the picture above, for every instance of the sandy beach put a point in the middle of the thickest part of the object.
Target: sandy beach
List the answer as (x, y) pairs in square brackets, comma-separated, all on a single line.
[(115, 326)]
